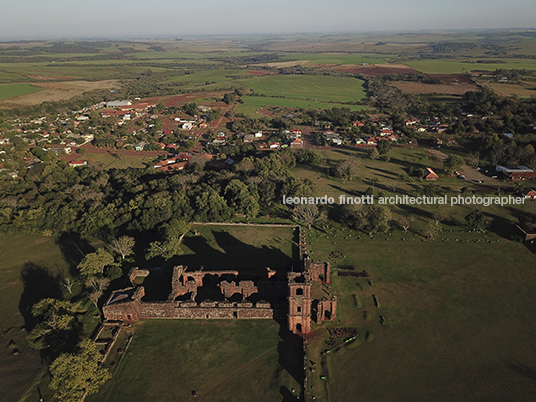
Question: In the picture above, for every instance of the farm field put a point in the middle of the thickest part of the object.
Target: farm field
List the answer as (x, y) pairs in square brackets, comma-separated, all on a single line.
[(524, 90), (253, 103), (8, 91), (53, 91), (339, 89), (457, 66), (219, 360), (423, 88), (339, 58), (457, 318), (199, 78)]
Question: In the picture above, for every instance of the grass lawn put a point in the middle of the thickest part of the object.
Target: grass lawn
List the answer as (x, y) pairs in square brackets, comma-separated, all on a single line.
[(227, 247), (26, 262), (219, 360), (8, 91), (313, 87), (458, 319)]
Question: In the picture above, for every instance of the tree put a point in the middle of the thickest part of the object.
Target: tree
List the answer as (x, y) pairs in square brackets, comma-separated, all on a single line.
[(383, 147), (374, 154), (166, 248), (57, 318), (242, 198), (348, 169), (68, 283), (229, 98), (95, 296), (94, 263), (405, 222), (123, 246), (453, 163), (476, 221), (308, 213), (75, 375), (431, 230)]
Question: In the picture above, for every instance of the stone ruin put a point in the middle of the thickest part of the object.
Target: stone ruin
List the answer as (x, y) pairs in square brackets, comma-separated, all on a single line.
[(229, 294)]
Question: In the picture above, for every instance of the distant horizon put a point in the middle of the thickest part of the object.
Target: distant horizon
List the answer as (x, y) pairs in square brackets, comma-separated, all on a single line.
[(60, 19), (265, 34)]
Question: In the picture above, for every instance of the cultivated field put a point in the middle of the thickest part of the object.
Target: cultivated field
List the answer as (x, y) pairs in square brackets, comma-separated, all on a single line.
[(320, 88), (253, 103), (8, 91), (50, 91), (457, 66)]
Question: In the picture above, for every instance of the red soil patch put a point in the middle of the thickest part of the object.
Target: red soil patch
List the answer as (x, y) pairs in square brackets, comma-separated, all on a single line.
[(265, 112)]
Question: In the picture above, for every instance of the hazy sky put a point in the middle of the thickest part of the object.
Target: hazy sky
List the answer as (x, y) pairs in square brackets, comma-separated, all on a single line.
[(50, 19)]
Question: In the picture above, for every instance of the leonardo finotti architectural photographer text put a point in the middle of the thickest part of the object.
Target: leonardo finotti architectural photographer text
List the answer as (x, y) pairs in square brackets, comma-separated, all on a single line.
[(407, 200)]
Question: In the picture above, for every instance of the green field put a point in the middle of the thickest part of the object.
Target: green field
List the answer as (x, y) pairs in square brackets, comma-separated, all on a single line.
[(339, 58), (8, 91), (253, 103), (219, 360), (458, 319), (456, 66), (201, 77), (309, 87)]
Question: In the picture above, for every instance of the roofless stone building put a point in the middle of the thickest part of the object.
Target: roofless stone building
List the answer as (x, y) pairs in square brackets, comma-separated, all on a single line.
[(228, 294)]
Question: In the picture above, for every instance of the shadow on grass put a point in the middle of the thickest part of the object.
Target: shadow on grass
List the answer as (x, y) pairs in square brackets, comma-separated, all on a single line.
[(287, 395), (39, 283), (73, 248), (235, 255), (520, 368)]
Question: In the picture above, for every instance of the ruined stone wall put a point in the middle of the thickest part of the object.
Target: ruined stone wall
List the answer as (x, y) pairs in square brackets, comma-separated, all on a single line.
[(326, 310), (319, 271), (244, 288), (136, 309), (136, 272)]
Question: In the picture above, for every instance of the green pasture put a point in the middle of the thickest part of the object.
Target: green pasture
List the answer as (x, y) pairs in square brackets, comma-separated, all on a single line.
[(339, 58), (8, 91), (10, 77), (201, 77), (439, 66), (314, 87), (253, 103), (457, 318), (91, 70), (220, 360)]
